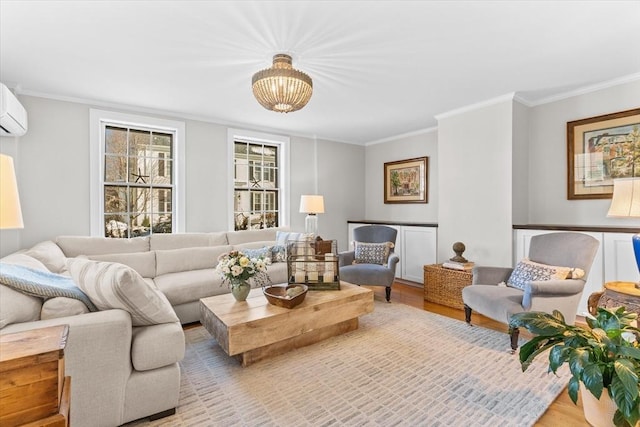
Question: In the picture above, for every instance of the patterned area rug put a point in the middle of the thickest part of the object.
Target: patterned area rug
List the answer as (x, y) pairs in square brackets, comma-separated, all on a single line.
[(403, 366)]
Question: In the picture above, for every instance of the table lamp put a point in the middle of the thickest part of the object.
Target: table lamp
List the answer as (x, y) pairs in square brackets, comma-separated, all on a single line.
[(625, 203), (10, 212), (311, 205)]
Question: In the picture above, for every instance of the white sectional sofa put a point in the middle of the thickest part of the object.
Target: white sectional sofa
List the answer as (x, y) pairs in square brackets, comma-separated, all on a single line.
[(123, 369)]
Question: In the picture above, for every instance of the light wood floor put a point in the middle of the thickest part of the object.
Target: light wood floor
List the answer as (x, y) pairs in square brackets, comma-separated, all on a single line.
[(561, 413)]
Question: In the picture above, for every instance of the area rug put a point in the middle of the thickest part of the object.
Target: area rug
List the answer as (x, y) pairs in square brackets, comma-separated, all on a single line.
[(403, 366)]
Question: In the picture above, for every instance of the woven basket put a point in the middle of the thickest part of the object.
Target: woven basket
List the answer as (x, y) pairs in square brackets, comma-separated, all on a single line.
[(444, 286)]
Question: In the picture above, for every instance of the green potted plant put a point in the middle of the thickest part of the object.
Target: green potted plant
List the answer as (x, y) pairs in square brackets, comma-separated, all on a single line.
[(604, 356)]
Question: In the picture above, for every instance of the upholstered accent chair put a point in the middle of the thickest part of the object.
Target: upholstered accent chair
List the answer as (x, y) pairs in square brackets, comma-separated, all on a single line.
[(494, 291), (372, 262)]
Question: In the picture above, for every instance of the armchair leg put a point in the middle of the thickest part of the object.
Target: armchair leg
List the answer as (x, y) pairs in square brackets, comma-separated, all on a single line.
[(388, 293), (514, 333), (467, 314)]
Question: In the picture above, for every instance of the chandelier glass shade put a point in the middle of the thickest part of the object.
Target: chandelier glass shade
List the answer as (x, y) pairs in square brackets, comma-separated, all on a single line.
[(282, 88)]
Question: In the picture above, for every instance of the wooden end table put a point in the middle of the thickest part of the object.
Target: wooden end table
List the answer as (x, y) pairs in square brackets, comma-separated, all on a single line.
[(34, 389), (253, 330)]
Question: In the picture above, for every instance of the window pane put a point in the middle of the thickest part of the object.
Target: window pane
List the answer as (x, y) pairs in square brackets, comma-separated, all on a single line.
[(139, 200), (139, 141), (140, 225), (115, 199), (161, 223), (162, 200), (271, 219), (161, 171), (139, 170), (240, 150), (270, 177), (115, 140), (115, 169), (116, 226), (163, 142), (270, 156), (242, 173)]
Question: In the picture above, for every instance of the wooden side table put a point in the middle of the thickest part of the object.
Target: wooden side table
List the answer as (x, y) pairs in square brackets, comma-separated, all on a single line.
[(33, 387), (444, 285), (616, 294)]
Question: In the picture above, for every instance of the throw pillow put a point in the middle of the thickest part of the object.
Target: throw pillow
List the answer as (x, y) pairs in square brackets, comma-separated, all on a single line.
[(528, 271), (112, 285), (372, 253), (50, 255), (278, 253), (264, 253), (16, 307), (62, 307), (43, 284), (296, 244)]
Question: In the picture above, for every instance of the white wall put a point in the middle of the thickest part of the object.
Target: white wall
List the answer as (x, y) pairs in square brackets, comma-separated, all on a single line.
[(52, 167), (520, 164), (408, 147), (475, 177), (548, 202)]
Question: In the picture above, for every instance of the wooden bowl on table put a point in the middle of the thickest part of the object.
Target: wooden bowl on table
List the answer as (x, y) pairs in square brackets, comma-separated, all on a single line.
[(287, 296)]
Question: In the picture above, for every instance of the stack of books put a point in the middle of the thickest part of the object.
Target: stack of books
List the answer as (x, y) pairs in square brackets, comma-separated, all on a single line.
[(462, 266)]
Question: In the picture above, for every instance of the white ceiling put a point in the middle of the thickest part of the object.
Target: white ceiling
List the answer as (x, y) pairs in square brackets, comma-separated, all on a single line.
[(379, 68)]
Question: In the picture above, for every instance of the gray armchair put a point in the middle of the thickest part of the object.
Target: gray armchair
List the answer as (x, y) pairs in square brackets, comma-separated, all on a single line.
[(499, 303), (370, 274)]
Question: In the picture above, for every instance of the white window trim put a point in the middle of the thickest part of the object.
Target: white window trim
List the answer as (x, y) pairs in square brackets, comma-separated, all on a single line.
[(98, 119), (283, 144)]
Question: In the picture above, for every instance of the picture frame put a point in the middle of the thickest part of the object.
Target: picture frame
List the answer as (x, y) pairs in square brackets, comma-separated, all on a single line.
[(406, 181), (600, 149)]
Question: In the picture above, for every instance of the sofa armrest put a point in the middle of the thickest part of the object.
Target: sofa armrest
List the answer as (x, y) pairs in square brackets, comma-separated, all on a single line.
[(392, 261), (536, 289), (490, 275), (98, 359), (346, 258)]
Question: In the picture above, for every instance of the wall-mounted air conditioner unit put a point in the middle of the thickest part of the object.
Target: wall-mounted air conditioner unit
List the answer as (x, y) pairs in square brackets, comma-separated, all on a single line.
[(13, 116)]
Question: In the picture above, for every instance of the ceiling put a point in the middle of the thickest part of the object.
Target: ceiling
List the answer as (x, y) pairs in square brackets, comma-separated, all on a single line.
[(379, 68)]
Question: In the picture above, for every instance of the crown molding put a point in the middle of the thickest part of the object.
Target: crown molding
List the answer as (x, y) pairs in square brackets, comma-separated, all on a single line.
[(483, 104), (402, 135), (585, 90)]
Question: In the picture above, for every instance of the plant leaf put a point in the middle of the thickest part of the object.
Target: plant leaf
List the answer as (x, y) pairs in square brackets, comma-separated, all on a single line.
[(632, 352), (592, 379), (578, 359), (625, 370), (572, 388), (623, 400)]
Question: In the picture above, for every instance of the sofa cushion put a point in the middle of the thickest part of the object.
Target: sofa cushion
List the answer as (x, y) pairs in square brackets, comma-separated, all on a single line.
[(263, 252), (21, 258), (72, 246), (50, 255), (62, 307), (142, 262), (112, 285), (246, 236), (527, 271), (156, 346), (16, 307), (187, 286), (197, 258), (186, 240)]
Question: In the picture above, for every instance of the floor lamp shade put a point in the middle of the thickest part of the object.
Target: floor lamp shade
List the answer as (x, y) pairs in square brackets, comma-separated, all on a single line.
[(10, 212), (625, 203), (311, 205)]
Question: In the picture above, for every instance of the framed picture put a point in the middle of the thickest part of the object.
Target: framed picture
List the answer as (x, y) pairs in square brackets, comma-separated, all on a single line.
[(405, 181), (600, 149)]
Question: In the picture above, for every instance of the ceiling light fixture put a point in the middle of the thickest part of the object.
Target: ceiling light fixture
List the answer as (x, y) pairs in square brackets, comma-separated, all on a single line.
[(282, 88)]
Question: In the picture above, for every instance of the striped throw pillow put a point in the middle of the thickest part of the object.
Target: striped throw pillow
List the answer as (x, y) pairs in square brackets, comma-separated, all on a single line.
[(112, 285)]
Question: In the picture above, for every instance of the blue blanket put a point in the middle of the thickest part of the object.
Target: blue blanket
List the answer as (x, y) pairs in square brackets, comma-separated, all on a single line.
[(42, 284)]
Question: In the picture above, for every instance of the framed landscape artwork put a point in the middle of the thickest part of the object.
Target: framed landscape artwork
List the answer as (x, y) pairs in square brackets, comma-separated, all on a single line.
[(601, 149), (405, 181)]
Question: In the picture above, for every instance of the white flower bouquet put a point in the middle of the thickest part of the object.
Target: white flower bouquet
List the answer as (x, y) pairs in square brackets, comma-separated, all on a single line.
[(235, 267)]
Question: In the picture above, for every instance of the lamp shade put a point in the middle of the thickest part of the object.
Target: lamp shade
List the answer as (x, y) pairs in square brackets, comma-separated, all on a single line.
[(626, 198), (311, 204), (10, 212)]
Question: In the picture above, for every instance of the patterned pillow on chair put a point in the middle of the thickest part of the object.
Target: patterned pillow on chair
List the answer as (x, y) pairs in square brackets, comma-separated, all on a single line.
[(527, 271), (372, 253)]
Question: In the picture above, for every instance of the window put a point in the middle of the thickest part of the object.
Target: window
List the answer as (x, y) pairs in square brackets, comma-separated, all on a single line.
[(135, 165), (258, 165)]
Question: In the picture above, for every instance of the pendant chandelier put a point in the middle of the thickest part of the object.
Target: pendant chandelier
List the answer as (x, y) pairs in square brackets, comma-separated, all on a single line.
[(282, 88)]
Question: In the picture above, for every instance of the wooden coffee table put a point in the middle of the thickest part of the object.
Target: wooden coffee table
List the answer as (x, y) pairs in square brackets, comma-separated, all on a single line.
[(254, 329)]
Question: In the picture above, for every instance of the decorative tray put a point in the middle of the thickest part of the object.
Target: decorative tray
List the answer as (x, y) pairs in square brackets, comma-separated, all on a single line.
[(287, 296)]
